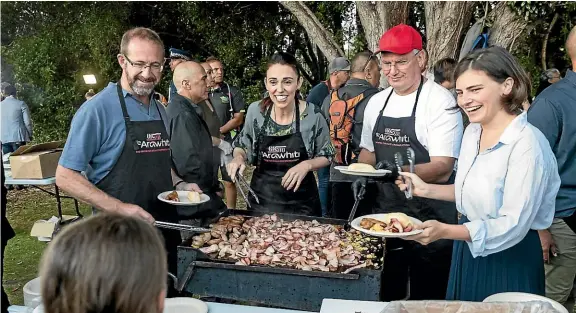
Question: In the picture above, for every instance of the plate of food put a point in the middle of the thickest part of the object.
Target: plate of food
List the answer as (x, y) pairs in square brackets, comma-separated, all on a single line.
[(183, 197), (387, 225), (361, 169)]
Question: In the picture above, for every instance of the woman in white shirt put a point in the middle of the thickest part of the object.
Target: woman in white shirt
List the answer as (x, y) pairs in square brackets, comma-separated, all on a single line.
[(505, 187)]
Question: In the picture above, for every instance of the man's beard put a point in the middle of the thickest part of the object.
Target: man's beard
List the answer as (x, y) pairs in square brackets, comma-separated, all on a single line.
[(142, 86)]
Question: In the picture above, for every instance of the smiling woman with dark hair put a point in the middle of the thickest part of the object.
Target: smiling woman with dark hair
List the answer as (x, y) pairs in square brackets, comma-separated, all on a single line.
[(286, 139), (505, 186)]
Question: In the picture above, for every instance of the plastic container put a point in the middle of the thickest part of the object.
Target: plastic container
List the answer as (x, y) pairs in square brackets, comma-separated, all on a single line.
[(32, 297), (468, 307)]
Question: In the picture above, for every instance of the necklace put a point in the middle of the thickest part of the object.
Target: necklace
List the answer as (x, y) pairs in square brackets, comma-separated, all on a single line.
[(276, 117)]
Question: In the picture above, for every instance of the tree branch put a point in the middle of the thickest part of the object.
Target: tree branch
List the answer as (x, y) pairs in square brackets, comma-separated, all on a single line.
[(321, 36), (545, 41), (446, 22), (507, 27)]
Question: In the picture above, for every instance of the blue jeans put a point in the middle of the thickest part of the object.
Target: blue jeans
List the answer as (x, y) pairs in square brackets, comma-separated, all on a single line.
[(10, 147), (324, 188)]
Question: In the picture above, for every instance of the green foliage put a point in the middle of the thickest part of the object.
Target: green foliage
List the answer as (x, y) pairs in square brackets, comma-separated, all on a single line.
[(61, 41), (50, 59), (533, 10)]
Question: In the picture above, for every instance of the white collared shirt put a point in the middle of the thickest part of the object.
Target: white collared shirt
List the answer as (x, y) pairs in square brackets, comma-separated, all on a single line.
[(438, 129), (507, 189)]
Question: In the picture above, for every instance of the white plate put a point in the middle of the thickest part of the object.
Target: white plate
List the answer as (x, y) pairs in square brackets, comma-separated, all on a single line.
[(183, 195), (376, 173), (356, 225), (184, 305), (523, 297)]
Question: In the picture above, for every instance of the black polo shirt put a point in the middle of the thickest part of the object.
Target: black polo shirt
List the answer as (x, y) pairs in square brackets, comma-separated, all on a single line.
[(227, 100)]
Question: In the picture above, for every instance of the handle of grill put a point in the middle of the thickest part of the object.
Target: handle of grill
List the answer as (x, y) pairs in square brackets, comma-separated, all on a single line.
[(181, 227)]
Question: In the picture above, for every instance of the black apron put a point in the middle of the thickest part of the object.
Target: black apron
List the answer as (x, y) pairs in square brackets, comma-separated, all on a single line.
[(142, 172), (427, 266), (275, 156)]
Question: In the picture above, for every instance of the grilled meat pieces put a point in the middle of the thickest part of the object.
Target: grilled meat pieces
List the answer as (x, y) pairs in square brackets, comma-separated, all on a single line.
[(394, 224), (271, 241), (173, 196)]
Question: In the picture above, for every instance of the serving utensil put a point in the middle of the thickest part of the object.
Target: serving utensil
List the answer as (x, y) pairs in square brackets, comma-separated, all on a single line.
[(399, 163), (411, 160), (181, 227), (359, 189), (242, 182)]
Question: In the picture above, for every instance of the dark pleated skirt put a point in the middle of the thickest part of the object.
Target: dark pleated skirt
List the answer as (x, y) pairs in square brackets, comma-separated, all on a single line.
[(516, 269)]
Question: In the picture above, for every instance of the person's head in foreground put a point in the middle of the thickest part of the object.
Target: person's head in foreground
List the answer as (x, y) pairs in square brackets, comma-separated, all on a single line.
[(105, 264), (491, 85)]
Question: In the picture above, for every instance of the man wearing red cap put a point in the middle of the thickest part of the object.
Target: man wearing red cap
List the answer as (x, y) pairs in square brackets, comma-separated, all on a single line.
[(413, 113)]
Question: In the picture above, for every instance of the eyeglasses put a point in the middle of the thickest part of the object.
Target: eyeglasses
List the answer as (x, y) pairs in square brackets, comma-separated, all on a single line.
[(155, 66), (400, 65)]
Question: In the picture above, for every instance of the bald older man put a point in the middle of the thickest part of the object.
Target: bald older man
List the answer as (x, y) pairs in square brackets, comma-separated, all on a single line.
[(191, 145), (554, 113)]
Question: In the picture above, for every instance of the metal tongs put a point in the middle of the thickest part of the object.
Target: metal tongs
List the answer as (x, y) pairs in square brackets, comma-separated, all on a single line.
[(181, 227), (242, 181), (411, 157), (359, 189), (399, 163)]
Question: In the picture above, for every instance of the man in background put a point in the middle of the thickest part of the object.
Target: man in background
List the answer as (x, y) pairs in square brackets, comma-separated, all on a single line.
[(228, 102), (16, 122), (177, 56), (547, 78), (339, 70), (362, 85), (222, 149), (554, 113), (190, 140), (443, 73)]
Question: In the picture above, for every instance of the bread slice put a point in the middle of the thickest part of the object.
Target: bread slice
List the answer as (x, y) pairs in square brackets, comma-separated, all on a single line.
[(401, 217), (361, 167), (194, 196)]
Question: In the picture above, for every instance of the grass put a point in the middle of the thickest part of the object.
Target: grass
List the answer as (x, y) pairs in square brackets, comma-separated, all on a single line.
[(23, 252)]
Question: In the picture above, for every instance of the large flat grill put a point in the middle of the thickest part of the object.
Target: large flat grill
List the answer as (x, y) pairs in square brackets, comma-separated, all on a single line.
[(202, 275)]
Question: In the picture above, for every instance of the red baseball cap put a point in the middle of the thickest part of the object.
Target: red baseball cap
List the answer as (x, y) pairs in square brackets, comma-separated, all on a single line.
[(400, 39)]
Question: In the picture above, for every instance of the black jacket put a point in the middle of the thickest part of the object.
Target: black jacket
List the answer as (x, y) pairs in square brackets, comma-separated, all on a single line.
[(191, 144)]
